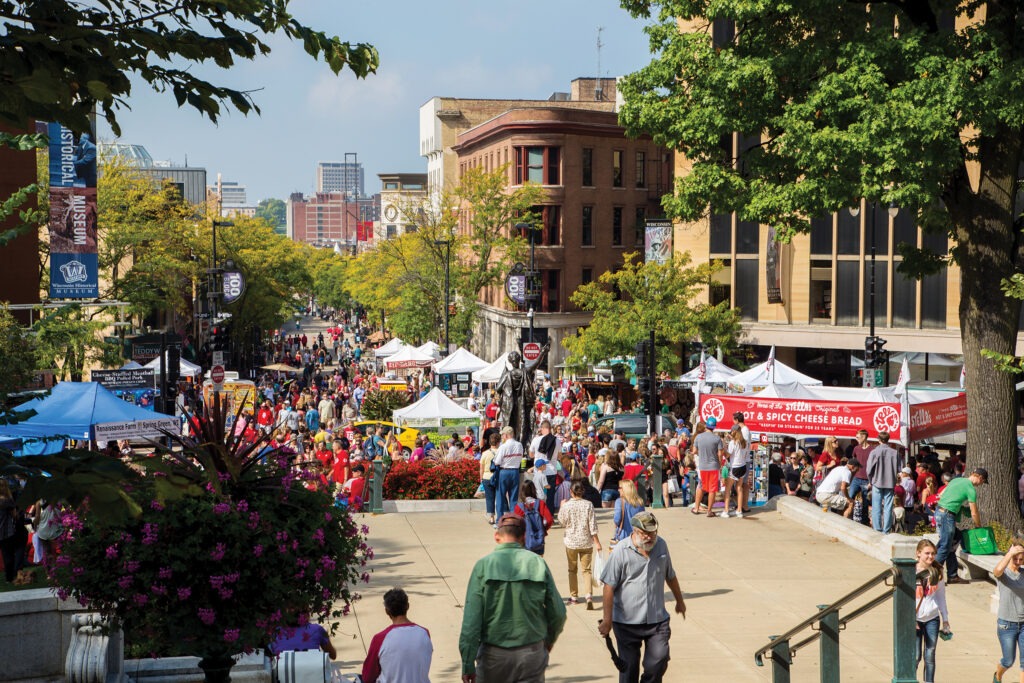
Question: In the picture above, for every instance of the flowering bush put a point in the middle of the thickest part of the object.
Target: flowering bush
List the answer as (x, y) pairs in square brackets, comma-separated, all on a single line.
[(430, 479), (230, 545)]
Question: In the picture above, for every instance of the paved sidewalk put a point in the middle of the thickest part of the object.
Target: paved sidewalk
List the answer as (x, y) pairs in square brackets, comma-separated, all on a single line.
[(743, 579)]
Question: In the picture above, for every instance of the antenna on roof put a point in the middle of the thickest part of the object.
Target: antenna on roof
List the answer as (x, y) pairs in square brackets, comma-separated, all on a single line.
[(598, 90)]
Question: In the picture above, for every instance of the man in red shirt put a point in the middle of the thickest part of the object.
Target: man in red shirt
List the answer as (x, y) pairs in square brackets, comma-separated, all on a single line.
[(355, 488), (566, 407), (491, 411), (341, 471), (265, 418)]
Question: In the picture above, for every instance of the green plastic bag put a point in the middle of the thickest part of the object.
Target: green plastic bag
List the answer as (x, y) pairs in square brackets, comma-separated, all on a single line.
[(981, 541)]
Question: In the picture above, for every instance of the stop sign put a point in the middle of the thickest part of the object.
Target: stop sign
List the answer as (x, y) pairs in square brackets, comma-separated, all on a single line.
[(217, 374), (531, 351)]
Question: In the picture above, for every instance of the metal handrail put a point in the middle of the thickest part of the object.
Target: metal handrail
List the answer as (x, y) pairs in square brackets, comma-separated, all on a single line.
[(882, 577), (845, 620)]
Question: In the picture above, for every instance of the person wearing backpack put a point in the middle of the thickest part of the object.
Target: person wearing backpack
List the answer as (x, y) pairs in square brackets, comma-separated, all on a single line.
[(538, 517)]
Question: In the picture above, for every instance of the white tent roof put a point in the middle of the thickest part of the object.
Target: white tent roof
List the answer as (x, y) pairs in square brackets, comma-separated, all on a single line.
[(460, 361), (131, 365), (185, 368), (714, 372), (788, 390), (434, 405), (409, 354), (493, 372), (430, 347), (389, 349), (757, 376), (934, 359)]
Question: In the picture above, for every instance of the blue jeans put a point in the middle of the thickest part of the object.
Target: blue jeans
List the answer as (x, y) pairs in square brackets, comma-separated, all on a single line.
[(949, 540), (489, 493), (927, 637), (609, 495), (1011, 639), (508, 492), (881, 509)]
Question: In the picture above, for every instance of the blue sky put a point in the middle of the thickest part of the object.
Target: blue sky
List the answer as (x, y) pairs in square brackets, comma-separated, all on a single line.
[(525, 49)]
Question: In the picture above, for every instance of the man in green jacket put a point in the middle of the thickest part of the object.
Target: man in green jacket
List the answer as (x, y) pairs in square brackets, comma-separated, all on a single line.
[(513, 612)]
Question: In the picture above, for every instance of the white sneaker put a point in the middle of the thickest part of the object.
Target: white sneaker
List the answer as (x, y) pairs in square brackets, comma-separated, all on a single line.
[(738, 513), (723, 515)]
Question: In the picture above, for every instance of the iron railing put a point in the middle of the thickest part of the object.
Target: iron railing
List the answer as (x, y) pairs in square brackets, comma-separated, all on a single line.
[(827, 624)]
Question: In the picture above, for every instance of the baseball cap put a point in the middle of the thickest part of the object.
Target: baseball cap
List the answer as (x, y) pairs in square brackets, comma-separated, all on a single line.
[(645, 521), (711, 423), (539, 462), (981, 472), (907, 470), (680, 423)]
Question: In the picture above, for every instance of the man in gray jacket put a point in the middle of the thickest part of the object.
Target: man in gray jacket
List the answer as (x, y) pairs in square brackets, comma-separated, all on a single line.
[(883, 471)]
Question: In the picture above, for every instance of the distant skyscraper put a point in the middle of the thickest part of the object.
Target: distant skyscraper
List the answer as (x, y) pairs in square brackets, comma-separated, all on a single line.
[(232, 193), (340, 176)]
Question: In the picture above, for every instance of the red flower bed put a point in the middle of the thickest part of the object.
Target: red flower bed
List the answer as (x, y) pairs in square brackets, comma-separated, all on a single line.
[(428, 479)]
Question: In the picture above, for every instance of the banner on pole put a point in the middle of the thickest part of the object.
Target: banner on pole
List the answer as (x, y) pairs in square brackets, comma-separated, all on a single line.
[(74, 263)]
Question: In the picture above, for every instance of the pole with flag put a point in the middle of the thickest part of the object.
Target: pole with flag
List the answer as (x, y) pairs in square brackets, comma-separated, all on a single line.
[(702, 374), (903, 392), (963, 375), (770, 365)]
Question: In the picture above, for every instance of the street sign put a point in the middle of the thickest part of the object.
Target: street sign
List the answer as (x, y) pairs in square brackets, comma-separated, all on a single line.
[(218, 357), (531, 351), (217, 377), (874, 377)]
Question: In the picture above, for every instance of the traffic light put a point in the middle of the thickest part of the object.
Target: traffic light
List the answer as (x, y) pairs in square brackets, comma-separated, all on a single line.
[(219, 340), (879, 352), (869, 352), (643, 370)]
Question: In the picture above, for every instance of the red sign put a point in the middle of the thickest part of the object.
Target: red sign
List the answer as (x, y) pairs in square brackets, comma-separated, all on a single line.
[(802, 417), (364, 231), (928, 420), (217, 374), (531, 351)]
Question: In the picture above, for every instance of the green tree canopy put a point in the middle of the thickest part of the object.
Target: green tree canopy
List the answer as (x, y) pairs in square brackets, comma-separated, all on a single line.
[(844, 101), (62, 59), (643, 296), (273, 212)]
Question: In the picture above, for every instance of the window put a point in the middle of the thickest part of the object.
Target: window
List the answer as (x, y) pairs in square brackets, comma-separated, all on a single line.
[(617, 226), (549, 296), (641, 169), (904, 299), (880, 215), (848, 234), (588, 167), (537, 165), (392, 231), (933, 301), (904, 231), (552, 225), (747, 282), (721, 233), (847, 289), (821, 291), (722, 32), (587, 234), (821, 235), (617, 168), (747, 237), (881, 292), (720, 289), (640, 226), (390, 185), (587, 276)]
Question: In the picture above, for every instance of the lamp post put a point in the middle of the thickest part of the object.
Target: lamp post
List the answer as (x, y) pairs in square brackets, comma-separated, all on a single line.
[(213, 292), (447, 275), (527, 229), (871, 341)]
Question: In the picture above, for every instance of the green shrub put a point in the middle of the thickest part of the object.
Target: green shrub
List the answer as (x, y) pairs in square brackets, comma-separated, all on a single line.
[(432, 480)]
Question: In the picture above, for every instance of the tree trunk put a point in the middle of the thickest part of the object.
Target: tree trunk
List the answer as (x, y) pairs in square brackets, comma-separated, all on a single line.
[(989, 250)]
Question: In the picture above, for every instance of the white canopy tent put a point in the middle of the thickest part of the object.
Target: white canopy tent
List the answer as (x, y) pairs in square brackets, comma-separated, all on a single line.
[(937, 360), (435, 410), (185, 368), (493, 372), (408, 357), (715, 372), (430, 348), (770, 372), (389, 349), (460, 361)]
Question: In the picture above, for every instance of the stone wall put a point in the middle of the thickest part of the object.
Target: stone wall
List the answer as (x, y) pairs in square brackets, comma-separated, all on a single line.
[(35, 631)]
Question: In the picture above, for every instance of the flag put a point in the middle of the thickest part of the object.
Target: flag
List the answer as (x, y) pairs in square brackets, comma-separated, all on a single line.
[(701, 375), (963, 375), (769, 366), (904, 378)]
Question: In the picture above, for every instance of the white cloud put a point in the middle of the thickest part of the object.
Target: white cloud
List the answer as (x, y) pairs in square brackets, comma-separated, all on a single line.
[(333, 96)]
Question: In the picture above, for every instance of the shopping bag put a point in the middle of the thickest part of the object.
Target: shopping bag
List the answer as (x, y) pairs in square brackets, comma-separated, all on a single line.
[(980, 541), (598, 567), (673, 485)]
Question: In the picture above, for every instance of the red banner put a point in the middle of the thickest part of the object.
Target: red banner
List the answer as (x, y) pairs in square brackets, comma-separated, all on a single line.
[(928, 420), (364, 231), (802, 417)]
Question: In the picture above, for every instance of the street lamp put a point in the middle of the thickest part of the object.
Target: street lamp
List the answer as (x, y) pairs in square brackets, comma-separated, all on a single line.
[(447, 270), (527, 229), (214, 293), (871, 342)]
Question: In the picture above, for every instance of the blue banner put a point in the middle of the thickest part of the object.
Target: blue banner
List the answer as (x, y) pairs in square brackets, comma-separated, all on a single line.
[(74, 263)]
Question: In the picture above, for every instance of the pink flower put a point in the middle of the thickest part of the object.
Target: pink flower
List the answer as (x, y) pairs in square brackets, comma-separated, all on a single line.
[(231, 635), (111, 552), (164, 573), (184, 593), (124, 582), (257, 550), (132, 566), (156, 505), (217, 554), (242, 506), (206, 615), (222, 508), (140, 599)]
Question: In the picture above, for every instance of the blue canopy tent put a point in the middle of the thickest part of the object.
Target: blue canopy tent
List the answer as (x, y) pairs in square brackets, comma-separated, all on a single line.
[(85, 411)]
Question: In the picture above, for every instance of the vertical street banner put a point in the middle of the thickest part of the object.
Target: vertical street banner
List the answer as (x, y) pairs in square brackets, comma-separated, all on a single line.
[(773, 268), (658, 241), (74, 263)]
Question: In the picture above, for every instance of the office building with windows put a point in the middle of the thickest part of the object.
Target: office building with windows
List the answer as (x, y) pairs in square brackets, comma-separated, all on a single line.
[(331, 219), (599, 190), (190, 180), (340, 176), (402, 199)]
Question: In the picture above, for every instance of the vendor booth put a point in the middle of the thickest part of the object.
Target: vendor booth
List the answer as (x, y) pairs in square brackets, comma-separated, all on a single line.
[(84, 411), (407, 360), (437, 412), (770, 372), (493, 372), (709, 371), (431, 349), (389, 349), (185, 368), (455, 373)]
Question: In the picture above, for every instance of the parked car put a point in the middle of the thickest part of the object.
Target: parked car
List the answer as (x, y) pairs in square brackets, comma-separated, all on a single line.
[(634, 425)]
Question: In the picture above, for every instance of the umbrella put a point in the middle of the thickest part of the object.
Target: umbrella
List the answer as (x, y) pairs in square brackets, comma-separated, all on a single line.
[(616, 659), (280, 367)]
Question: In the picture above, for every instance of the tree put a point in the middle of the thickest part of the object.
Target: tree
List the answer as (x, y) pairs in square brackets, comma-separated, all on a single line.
[(67, 340), (273, 212), (61, 59), (643, 296), (882, 102), (17, 361)]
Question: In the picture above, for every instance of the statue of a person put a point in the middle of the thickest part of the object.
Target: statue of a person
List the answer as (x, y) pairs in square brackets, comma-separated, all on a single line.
[(518, 396)]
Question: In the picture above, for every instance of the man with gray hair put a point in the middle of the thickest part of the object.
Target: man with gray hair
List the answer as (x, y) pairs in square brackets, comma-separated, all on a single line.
[(883, 472)]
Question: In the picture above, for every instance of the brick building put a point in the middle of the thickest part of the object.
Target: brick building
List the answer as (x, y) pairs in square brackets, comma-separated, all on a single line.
[(329, 219)]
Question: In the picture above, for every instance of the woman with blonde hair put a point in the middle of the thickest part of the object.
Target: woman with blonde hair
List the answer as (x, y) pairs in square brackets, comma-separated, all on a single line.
[(737, 450), (628, 504)]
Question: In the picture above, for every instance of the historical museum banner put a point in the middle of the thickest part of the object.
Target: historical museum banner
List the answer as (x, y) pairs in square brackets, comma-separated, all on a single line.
[(74, 263), (658, 241)]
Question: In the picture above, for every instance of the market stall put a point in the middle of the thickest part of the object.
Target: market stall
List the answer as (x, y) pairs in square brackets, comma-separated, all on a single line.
[(455, 373), (769, 372), (493, 372), (436, 412), (407, 360), (431, 349)]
